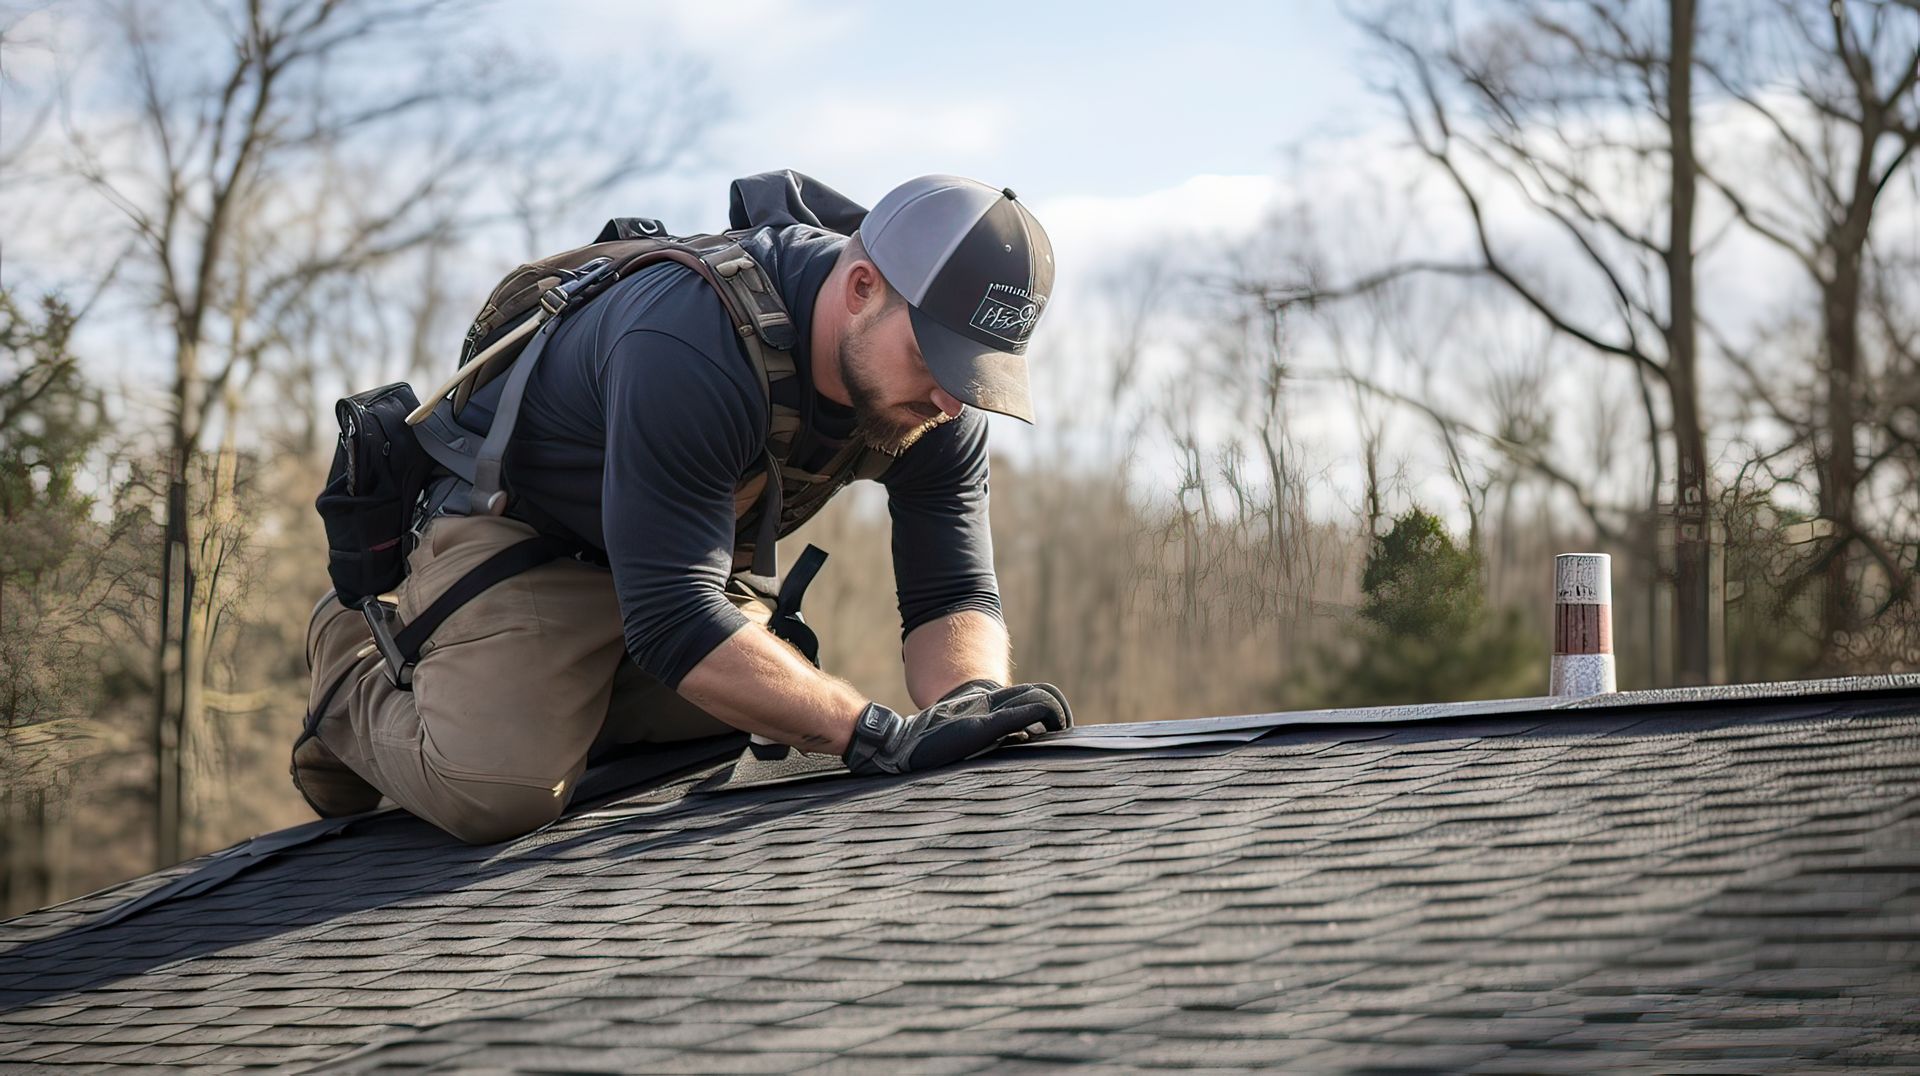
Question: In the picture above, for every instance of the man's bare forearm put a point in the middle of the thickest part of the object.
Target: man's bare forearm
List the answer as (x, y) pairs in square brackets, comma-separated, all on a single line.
[(758, 684), (942, 654)]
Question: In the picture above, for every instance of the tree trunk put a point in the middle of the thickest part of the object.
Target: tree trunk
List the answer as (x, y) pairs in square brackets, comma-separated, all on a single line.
[(9, 874), (175, 594), (25, 843), (176, 601), (193, 687), (1692, 657), (1840, 473)]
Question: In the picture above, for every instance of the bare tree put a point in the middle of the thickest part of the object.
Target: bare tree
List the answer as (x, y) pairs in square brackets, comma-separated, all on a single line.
[(1834, 89), (282, 156), (64, 576), (1580, 110)]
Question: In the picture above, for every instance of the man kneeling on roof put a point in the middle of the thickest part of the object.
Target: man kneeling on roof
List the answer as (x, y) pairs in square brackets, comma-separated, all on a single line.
[(639, 448)]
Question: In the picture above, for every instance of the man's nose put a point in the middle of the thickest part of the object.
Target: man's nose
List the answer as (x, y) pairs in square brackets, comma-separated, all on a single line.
[(947, 404)]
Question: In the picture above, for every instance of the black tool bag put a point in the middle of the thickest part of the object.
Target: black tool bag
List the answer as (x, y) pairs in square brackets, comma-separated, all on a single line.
[(378, 472)]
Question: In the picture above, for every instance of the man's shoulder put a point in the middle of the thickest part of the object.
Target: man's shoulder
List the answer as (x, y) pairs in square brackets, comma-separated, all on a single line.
[(663, 313), (676, 300), (670, 299)]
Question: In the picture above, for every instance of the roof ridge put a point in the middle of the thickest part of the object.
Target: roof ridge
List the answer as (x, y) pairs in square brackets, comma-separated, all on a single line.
[(1405, 713)]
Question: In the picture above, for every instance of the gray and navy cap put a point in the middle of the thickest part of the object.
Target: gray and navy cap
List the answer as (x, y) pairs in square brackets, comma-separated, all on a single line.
[(976, 270)]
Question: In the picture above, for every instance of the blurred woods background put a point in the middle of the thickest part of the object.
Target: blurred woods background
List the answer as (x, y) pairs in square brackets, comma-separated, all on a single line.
[(1633, 277)]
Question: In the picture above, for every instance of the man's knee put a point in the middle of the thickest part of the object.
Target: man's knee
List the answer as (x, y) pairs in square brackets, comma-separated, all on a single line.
[(488, 813)]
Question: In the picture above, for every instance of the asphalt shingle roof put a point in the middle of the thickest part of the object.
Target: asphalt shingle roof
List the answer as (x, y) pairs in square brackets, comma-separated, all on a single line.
[(1687, 883)]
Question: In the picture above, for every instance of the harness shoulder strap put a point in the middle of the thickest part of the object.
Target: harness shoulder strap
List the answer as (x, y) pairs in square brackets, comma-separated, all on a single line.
[(768, 334), (747, 289), (488, 497), (451, 445)]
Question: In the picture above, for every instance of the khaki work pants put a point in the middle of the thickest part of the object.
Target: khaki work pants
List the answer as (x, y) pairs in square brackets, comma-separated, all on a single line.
[(510, 695)]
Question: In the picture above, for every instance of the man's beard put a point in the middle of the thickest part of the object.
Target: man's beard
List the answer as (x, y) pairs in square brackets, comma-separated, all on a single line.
[(875, 423)]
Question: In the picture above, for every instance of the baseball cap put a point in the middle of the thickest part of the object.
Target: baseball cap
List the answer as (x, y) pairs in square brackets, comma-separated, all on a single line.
[(976, 270)]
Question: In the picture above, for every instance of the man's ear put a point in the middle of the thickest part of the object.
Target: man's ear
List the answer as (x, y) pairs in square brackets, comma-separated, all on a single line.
[(866, 289)]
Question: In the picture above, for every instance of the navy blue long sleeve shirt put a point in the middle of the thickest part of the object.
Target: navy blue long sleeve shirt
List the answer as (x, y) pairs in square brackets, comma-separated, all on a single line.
[(645, 415)]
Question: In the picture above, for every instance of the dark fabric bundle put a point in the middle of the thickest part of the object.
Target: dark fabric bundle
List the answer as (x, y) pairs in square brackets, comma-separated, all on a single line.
[(378, 471)]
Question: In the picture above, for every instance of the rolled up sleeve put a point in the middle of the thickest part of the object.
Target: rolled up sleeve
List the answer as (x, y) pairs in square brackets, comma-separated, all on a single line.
[(942, 544)]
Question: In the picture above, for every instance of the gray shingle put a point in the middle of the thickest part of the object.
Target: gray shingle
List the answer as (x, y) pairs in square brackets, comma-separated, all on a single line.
[(1697, 881)]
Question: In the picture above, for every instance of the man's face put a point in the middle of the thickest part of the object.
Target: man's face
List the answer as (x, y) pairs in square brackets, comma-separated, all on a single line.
[(895, 398)]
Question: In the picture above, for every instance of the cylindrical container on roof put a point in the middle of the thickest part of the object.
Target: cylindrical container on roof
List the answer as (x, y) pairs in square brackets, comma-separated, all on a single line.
[(1582, 625)]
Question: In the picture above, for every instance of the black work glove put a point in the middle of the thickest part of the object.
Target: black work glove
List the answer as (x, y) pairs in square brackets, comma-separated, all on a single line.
[(967, 721), (973, 687)]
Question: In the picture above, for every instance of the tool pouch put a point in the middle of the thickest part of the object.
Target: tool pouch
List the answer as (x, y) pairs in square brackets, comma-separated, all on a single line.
[(378, 472)]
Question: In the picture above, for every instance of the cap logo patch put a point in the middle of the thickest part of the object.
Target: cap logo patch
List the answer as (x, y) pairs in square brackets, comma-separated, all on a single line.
[(1008, 313)]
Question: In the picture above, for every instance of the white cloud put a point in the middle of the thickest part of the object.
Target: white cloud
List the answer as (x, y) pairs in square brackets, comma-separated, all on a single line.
[(725, 27), (858, 141), (737, 31), (1090, 231)]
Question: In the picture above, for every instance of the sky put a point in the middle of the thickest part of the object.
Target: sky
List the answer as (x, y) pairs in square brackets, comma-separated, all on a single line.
[(1127, 127), (1056, 100)]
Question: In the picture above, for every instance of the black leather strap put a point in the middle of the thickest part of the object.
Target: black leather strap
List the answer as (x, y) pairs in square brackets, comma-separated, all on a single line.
[(503, 565), (793, 588), (785, 623)]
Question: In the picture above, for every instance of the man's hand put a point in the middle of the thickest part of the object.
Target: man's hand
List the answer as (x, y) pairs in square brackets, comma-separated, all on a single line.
[(968, 720)]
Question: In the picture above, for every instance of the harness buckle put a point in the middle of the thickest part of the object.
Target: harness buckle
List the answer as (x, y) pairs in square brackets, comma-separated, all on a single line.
[(555, 299), (381, 617)]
